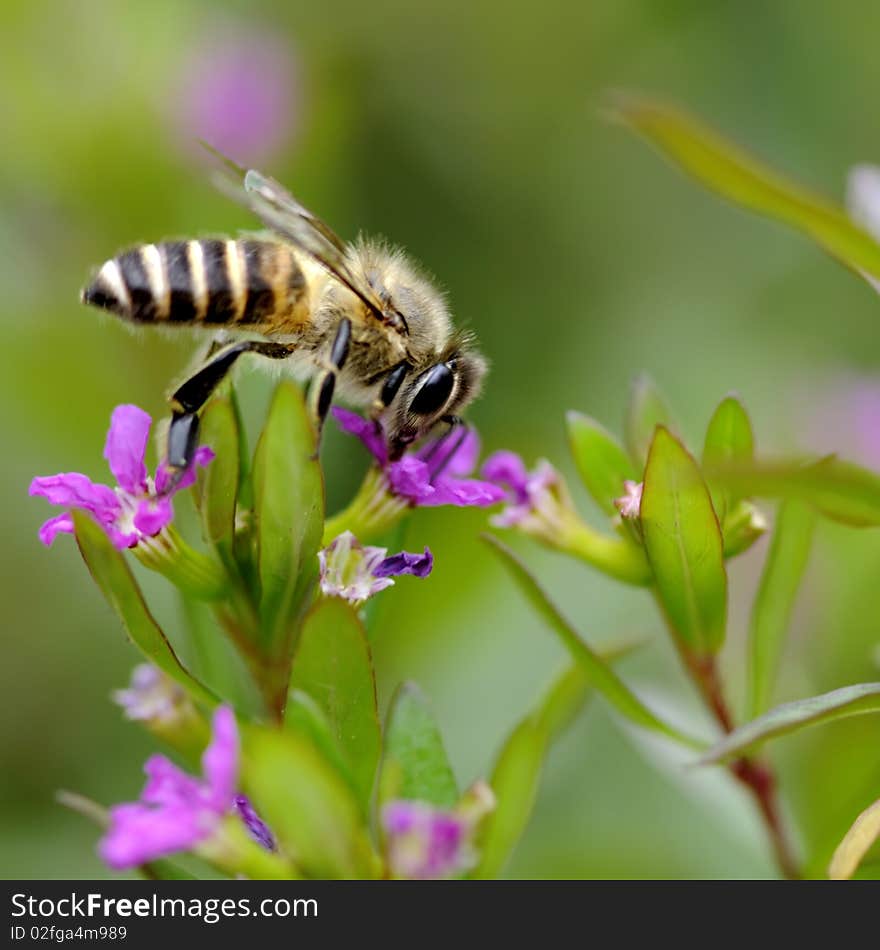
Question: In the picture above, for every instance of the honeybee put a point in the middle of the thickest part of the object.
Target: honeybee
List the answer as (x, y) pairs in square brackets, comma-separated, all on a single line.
[(358, 319)]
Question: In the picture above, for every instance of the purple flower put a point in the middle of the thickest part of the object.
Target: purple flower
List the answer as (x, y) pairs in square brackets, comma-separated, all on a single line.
[(423, 842), (177, 812), (434, 475), (151, 696), (426, 843), (136, 508), (629, 504), (537, 502), (240, 92), (355, 572)]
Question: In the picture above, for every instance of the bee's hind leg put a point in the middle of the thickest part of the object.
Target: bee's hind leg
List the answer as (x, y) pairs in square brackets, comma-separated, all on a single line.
[(326, 384), (188, 399)]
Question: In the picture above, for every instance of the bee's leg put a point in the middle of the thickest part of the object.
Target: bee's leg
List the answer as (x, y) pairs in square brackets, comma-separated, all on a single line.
[(188, 399), (326, 384), (442, 452), (390, 388)]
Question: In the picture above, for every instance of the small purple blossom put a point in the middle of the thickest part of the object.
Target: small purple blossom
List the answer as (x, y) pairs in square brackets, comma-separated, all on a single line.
[(240, 92), (629, 504), (426, 843), (136, 508), (151, 696), (432, 476), (177, 812), (538, 501), (355, 572)]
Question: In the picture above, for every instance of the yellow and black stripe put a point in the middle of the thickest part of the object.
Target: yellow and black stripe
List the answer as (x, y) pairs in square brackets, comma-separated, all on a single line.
[(249, 283)]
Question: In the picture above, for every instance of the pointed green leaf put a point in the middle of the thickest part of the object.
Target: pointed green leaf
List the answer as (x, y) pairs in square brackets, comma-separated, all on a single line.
[(289, 508), (726, 169), (310, 809), (840, 490), (647, 409), (218, 482), (112, 575), (792, 717), (600, 676), (855, 845), (305, 717), (333, 665), (783, 570), (729, 439), (415, 765), (515, 784), (601, 461), (683, 543)]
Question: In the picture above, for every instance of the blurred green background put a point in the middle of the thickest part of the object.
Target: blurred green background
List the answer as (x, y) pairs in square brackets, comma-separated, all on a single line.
[(469, 134)]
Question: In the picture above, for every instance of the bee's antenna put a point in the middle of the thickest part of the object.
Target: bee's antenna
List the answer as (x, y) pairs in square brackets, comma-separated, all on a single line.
[(454, 422), (228, 163)]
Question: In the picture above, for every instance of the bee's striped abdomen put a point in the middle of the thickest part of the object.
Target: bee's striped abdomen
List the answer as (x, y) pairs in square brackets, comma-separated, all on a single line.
[(251, 283)]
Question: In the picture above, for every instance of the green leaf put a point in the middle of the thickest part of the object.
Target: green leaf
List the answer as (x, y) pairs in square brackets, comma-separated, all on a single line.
[(724, 168), (304, 716), (112, 575), (310, 809), (514, 781), (840, 490), (647, 409), (415, 765), (289, 507), (783, 570), (599, 675), (855, 845), (792, 717), (683, 543), (332, 664), (601, 461), (218, 482), (729, 439)]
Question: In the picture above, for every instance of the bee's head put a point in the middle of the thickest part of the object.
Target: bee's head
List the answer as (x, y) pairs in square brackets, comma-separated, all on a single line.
[(438, 391)]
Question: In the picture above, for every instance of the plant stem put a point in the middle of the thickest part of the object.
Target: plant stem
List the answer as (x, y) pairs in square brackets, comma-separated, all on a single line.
[(757, 777)]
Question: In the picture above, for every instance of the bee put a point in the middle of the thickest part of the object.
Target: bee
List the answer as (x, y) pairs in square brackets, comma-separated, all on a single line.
[(358, 319)]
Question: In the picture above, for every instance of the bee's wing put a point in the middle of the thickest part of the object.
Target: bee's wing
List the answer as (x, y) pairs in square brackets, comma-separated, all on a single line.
[(281, 212)]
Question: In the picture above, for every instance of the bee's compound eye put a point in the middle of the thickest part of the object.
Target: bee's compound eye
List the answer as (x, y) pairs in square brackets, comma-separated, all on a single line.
[(434, 388)]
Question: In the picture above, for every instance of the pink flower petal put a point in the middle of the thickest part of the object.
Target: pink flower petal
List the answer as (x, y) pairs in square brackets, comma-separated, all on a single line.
[(126, 447), (73, 490), (410, 478), (169, 785), (507, 468), (152, 515), (60, 524), (138, 833), (220, 760), (364, 429), (457, 454), (463, 493)]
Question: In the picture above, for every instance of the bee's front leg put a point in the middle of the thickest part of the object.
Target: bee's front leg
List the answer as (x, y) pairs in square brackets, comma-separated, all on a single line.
[(188, 399)]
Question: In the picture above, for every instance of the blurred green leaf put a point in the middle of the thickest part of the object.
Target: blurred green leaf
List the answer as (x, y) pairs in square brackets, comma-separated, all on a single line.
[(415, 765), (289, 507), (332, 664), (309, 808), (683, 543), (218, 482), (792, 717), (726, 169), (729, 439), (646, 410), (601, 461), (599, 674), (856, 844), (515, 784), (840, 490), (112, 575), (783, 570), (305, 716)]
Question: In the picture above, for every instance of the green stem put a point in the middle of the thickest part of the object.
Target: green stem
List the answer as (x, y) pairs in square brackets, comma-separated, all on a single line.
[(617, 557), (190, 570)]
